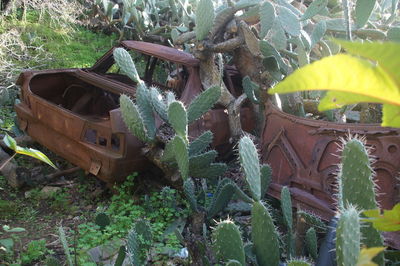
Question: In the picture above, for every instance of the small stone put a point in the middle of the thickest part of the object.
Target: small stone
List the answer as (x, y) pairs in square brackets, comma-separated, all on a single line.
[(48, 191)]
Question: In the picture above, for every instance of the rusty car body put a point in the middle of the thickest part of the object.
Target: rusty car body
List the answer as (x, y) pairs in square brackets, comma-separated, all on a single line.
[(75, 112)]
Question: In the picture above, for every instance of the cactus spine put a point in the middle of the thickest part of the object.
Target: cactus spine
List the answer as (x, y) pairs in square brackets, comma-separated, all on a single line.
[(348, 237), (228, 244), (264, 236), (356, 187)]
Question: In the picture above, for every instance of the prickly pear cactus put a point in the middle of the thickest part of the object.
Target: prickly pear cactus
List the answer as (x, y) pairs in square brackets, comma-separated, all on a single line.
[(348, 237), (132, 118), (264, 236), (124, 61), (201, 143), (250, 164), (356, 187), (204, 18), (222, 196), (286, 206), (203, 102), (228, 244), (311, 243), (177, 117)]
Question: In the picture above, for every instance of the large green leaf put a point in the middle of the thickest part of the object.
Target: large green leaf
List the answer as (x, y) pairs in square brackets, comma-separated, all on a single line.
[(12, 144), (388, 221), (385, 54), (393, 34), (344, 73), (363, 11)]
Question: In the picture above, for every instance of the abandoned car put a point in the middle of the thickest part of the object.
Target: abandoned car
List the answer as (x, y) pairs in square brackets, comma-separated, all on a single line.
[(75, 112)]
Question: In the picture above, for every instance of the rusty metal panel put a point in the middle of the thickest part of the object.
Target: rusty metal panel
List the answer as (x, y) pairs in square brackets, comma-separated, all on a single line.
[(303, 154)]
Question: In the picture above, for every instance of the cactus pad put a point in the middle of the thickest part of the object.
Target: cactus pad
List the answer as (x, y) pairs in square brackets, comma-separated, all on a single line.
[(250, 164), (132, 118), (228, 244), (124, 61), (264, 236), (203, 102)]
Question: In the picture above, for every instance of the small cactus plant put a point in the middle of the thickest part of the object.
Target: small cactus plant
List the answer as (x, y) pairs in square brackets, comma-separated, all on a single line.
[(348, 237), (357, 188), (228, 244)]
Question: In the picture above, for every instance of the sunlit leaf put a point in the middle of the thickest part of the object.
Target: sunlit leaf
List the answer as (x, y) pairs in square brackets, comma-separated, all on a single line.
[(393, 34), (366, 256), (35, 154), (314, 8), (387, 221), (10, 142), (386, 54), (344, 73), (363, 11)]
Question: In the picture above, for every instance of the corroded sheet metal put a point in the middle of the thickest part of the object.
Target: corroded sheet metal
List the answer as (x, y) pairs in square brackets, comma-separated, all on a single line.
[(303, 154)]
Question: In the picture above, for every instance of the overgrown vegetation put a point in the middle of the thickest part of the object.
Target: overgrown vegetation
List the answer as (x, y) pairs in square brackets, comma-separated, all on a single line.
[(266, 41)]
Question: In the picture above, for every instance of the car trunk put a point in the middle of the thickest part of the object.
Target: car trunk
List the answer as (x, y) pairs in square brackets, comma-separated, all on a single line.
[(76, 95)]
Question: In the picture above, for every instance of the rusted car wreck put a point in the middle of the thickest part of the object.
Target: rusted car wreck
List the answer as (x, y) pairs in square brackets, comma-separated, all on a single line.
[(74, 112)]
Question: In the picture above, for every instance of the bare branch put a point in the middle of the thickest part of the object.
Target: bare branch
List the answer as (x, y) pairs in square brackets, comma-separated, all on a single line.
[(185, 37), (227, 46)]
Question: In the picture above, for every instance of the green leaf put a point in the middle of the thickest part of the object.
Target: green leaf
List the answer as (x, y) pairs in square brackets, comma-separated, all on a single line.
[(7, 243), (391, 115), (267, 17), (10, 142), (363, 11), (393, 34), (388, 221), (204, 18), (367, 255), (314, 8), (385, 54), (337, 73), (289, 21), (35, 154), (15, 230)]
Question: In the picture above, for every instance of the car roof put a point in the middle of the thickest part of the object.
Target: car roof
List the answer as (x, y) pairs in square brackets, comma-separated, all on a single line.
[(162, 52)]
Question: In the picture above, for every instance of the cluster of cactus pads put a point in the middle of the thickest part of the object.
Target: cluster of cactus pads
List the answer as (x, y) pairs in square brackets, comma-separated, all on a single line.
[(356, 193), (264, 248), (192, 158)]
